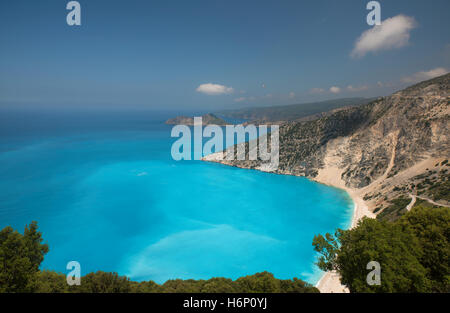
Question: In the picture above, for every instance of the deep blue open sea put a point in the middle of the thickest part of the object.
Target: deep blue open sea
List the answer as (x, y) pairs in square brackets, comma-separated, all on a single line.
[(106, 193)]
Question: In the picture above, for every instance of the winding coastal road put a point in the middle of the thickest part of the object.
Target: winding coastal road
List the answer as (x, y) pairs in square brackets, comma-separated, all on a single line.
[(414, 198), (411, 204)]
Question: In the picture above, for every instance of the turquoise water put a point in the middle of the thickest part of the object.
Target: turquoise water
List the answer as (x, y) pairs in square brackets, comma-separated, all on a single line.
[(106, 193)]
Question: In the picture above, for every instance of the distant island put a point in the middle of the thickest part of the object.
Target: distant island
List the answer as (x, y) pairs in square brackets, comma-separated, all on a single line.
[(207, 119)]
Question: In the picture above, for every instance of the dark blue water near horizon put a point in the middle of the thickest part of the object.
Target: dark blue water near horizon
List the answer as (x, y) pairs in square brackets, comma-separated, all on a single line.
[(106, 193)]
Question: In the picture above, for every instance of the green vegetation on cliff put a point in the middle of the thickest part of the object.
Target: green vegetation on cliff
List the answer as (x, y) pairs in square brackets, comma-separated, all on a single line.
[(396, 209)]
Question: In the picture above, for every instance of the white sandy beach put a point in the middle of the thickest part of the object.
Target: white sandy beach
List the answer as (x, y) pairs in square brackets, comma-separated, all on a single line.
[(330, 281), (331, 175)]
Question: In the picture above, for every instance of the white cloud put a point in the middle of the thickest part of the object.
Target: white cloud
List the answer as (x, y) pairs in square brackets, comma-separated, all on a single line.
[(214, 89), (317, 90), (335, 89), (393, 33), (425, 75), (356, 89)]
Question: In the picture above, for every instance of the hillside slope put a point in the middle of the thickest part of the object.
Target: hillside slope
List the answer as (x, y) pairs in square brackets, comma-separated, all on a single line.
[(382, 149), (292, 112)]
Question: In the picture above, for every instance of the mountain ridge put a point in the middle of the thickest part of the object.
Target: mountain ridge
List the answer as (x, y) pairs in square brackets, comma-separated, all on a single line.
[(207, 119), (377, 149), (292, 112)]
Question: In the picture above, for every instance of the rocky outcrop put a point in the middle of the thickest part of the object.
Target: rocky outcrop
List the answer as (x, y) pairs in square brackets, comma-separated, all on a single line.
[(374, 143), (207, 119)]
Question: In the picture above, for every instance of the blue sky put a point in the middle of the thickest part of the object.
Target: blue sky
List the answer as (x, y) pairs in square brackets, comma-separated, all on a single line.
[(211, 55)]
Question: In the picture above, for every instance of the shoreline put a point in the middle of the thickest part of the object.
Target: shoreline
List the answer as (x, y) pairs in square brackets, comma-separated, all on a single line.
[(330, 281), (329, 175)]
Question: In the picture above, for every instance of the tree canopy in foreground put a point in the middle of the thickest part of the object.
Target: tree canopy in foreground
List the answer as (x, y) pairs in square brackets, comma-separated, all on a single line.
[(413, 252), (21, 256)]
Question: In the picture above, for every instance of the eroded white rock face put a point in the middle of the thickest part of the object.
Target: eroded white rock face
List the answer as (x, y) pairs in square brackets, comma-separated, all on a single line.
[(372, 144)]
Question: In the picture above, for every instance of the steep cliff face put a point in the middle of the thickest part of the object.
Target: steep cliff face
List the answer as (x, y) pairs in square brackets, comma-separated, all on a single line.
[(371, 144), (400, 131)]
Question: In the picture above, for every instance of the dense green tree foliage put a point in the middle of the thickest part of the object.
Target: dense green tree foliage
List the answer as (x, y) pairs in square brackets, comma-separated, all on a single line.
[(103, 282), (432, 227), (265, 282), (51, 282), (21, 255), (413, 252)]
